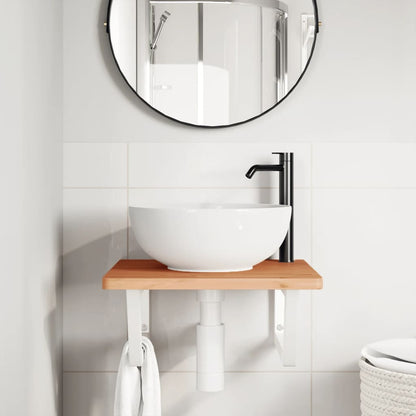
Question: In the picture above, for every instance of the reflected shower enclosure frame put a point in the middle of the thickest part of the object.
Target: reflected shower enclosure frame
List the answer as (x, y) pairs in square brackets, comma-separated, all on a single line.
[(144, 86)]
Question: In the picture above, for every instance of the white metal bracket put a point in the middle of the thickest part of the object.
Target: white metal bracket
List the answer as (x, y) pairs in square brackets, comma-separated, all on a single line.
[(285, 320), (137, 323)]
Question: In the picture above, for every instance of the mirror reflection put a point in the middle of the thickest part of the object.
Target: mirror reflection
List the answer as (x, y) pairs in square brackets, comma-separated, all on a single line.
[(212, 63)]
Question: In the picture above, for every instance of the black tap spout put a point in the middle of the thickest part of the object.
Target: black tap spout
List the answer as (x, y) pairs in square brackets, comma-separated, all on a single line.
[(264, 168), (285, 169)]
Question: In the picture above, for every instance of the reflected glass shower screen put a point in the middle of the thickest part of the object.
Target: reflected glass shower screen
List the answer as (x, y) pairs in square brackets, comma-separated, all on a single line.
[(216, 62)]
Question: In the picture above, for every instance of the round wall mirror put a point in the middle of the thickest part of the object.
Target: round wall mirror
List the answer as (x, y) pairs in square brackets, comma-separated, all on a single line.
[(212, 63)]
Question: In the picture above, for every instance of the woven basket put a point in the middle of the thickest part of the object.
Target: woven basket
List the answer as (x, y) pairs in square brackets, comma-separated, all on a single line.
[(386, 393)]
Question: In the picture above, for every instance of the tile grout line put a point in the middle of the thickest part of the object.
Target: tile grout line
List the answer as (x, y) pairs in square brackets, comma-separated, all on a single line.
[(172, 140), (214, 188), (311, 294), (205, 141), (127, 212), (227, 372), (93, 188), (359, 188), (128, 199)]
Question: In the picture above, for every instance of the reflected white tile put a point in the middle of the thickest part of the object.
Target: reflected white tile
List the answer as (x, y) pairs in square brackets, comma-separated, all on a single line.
[(364, 248), (95, 237), (95, 165), (336, 394), (248, 394), (364, 165), (89, 394), (215, 165)]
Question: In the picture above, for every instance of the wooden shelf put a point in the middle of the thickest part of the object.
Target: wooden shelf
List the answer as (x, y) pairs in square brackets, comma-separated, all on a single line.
[(268, 275)]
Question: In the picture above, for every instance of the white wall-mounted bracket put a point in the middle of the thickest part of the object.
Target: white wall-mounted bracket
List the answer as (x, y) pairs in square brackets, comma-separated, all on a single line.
[(137, 323), (285, 320), (284, 329)]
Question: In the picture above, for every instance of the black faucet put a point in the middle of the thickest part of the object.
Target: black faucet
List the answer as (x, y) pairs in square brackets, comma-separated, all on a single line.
[(285, 169)]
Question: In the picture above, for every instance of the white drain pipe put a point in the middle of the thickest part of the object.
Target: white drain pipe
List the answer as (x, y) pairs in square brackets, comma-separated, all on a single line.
[(210, 342)]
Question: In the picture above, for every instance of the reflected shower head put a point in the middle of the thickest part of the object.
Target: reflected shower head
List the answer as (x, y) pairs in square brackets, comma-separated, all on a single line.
[(165, 15), (156, 36)]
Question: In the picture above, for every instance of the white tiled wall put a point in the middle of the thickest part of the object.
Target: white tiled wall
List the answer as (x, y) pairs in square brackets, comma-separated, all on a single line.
[(336, 394), (95, 237), (355, 203), (248, 394), (355, 226)]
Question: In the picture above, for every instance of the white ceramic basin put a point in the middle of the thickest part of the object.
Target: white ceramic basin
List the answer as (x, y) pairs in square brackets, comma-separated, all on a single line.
[(210, 237)]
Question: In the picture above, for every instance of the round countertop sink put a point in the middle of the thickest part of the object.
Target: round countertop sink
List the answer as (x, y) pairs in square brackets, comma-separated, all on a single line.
[(210, 237)]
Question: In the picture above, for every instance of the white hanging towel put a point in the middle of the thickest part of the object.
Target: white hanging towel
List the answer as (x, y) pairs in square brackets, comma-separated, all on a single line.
[(138, 388)]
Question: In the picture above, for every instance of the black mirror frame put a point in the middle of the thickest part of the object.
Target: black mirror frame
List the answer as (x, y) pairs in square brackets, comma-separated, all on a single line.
[(317, 23)]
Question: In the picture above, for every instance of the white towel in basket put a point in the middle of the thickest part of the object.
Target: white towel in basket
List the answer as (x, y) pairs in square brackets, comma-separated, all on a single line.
[(393, 354)]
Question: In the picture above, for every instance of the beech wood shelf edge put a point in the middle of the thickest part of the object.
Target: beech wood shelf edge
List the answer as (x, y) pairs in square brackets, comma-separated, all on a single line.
[(268, 275)]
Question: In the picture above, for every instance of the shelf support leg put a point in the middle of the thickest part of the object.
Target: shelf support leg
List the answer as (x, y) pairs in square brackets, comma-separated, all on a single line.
[(137, 302), (285, 321), (210, 342)]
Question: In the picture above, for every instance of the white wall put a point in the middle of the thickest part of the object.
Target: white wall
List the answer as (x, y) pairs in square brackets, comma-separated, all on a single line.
[(350, 124), (30, 209)]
